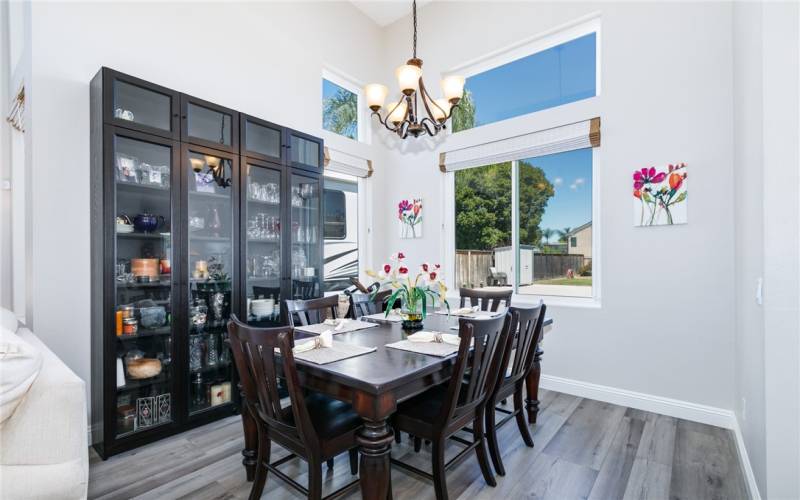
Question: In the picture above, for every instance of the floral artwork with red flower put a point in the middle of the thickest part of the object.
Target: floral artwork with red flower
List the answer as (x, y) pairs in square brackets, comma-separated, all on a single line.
[(659, 197), (409, 213)]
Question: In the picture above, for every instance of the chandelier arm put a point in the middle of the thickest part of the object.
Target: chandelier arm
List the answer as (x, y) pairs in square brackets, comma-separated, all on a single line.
[(430, 126), (452, 108), (426, 99)]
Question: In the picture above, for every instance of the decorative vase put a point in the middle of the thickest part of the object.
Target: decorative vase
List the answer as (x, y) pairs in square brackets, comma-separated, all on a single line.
[(411, 313)]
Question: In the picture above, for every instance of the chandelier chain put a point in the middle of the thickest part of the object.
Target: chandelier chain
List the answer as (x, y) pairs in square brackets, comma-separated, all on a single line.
[(414, 9)]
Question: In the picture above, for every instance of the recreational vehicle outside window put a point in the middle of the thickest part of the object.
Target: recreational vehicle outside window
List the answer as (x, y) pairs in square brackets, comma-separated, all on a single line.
[(340, 230)]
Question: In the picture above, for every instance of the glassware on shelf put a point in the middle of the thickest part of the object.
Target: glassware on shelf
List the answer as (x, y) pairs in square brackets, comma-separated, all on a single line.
[(214, 225), (199, 392), (195, 352), (268, 192), (212, 350)]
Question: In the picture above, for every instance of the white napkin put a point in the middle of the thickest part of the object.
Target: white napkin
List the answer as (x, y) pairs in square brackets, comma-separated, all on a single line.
[(464, 311), (325, 339), (339, 323), (425, 336)]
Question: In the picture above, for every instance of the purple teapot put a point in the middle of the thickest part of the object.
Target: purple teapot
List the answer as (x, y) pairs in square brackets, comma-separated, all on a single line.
[(147, 223)]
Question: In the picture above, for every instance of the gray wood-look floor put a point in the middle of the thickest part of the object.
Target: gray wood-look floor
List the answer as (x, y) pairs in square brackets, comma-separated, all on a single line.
[(583, 449)]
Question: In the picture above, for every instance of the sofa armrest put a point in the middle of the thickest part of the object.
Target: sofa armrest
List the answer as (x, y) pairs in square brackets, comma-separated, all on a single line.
[(49, 427)]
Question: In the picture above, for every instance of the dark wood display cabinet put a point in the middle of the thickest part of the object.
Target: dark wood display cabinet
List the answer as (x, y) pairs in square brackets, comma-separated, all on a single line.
[(198, 211)]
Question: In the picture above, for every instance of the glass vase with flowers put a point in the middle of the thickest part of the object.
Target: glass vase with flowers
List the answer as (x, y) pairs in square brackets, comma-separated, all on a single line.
[(414, 293)]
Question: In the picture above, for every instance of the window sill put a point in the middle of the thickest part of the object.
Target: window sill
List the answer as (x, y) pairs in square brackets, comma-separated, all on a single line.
[(549, 300)]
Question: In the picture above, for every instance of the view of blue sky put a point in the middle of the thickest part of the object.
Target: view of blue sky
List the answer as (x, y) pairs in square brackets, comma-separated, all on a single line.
[(570, 173), (561, 74)]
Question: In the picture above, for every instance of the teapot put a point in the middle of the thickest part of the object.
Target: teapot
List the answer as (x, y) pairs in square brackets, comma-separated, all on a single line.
[(147, 222)]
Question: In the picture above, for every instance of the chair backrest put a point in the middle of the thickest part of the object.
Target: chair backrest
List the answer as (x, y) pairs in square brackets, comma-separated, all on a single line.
[(363, 304), (304, 289), (523, 344), (259, 366), (488, 300), (487, 340), (312, 311)]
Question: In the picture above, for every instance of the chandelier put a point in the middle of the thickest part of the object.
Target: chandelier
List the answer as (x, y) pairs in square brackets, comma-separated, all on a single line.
[(404, 117)]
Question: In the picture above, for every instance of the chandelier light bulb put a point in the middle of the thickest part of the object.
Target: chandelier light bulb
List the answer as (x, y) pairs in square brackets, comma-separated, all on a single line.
[(453, 88), (376, 95), (441, 109), (408, 77), (397, 112)]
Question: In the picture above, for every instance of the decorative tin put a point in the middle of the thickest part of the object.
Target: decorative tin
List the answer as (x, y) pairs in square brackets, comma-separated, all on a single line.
[(164, 407), (144, 409)]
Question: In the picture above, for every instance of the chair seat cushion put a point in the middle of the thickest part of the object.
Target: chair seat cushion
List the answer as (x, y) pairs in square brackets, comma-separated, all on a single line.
[(330, 417), (424, 407)]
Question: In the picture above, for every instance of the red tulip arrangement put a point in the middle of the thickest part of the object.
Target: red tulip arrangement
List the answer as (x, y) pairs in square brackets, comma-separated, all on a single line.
[(415, 292)]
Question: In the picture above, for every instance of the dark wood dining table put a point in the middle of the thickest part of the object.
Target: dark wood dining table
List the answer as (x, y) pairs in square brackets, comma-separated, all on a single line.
[(374, 384)]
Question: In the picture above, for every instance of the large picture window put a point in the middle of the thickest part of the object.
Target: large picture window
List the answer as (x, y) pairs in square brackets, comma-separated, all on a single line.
[(557, 75), (526, 224)]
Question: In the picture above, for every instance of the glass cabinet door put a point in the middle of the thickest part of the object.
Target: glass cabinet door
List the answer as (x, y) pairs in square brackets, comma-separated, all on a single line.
[(136, 104), (211, 231), (261, 139), (306, 234), (143, 321), (263, 259), (305, 151), (210, 125)]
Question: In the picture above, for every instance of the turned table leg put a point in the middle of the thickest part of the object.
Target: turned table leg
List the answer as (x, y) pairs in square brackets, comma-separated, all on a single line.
[(375, 444), (250, 451), (532, 385)]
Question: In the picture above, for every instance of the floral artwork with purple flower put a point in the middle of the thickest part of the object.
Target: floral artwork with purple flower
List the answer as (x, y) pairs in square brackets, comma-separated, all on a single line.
[(659, 198), (409, 213)]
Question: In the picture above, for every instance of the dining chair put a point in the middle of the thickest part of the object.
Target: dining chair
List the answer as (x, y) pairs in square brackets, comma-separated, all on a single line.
[(488, 300), (515, 365), (304, 289), (311, 311), (439, 413), (313, 426), (364, 304)]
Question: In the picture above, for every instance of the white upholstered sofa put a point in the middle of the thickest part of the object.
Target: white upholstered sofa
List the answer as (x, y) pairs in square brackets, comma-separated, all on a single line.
[(43, 445)]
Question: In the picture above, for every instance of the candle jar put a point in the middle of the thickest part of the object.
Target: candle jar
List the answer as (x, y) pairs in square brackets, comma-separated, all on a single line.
[(130, 326)]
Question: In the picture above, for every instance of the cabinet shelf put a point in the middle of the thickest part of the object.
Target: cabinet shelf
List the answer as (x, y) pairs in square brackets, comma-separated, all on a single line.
[(147, 333), (259, 240), (209, 196), (134, 188), (210, 239), (263, 203), (143, 236), (152, 284), (133, 384), (212, 368)]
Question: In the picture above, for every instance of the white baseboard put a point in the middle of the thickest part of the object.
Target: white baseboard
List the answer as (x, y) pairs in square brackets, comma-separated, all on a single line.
[(641, 401), (749, 475), (665, 406)]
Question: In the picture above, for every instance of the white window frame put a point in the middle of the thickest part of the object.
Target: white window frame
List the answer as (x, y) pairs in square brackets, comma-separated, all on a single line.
[(564, 33), (449, 243), (363, 131)]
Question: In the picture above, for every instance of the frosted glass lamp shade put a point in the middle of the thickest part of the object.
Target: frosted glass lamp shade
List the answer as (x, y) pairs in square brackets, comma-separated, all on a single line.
[(441, 109), (197, 164), (453, 88), (376, 95), (408, 77), (397, 113)]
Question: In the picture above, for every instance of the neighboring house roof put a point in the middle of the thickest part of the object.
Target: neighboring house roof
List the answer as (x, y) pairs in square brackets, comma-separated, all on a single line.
[(579, 228)]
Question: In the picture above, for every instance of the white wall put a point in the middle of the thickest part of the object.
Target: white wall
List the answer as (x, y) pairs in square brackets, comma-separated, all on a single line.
[(781, 130), (666, 324), (749, 219), (265, 59)]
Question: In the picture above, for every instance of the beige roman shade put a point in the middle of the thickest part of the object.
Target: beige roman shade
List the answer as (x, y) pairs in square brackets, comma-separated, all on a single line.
[(345, 163), (584, 134)]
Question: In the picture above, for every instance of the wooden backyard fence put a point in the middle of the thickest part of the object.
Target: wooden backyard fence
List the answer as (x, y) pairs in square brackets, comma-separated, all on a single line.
[(549, 266), (472, 267)]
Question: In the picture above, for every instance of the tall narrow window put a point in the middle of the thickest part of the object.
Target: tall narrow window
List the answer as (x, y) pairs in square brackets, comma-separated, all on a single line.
[(339, 110), (340, 229)]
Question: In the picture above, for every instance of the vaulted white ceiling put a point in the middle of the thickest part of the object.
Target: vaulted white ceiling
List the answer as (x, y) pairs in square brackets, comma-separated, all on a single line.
[(386, 12)]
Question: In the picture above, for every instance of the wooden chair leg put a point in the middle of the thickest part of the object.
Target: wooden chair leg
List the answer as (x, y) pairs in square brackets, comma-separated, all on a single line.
[(329, 463), (261, 468), (520, 417), (353, 461), (491, 438), (439, 478), (480, 450), (417, 444), (314, 480)]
